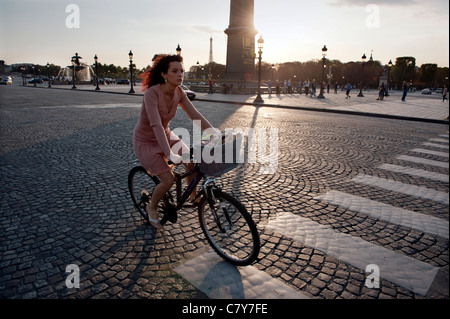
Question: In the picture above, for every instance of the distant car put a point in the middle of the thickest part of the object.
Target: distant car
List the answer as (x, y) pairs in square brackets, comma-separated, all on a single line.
[(439, 90), (36, 81), (7, 80), (122, 82), (426, 91), (190, 94)]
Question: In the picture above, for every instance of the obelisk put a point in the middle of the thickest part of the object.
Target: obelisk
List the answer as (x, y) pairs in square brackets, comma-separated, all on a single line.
[(241, 42)]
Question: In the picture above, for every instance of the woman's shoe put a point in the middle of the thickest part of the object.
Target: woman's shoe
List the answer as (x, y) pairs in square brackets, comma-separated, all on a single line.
[(153, 221)]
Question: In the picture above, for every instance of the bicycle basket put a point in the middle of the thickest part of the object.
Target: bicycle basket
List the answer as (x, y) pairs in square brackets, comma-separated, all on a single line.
[(219, 157)]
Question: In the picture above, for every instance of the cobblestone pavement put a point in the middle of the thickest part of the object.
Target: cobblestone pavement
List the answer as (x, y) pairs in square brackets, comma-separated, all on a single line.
[(417, 107), (64, 161)]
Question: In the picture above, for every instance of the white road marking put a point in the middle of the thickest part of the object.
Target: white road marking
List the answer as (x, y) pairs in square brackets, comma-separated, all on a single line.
[(435, 145), (396, 215), (405, 271), (423, 161), (415, 172), (418, 191), (431, 152), (221, 280)]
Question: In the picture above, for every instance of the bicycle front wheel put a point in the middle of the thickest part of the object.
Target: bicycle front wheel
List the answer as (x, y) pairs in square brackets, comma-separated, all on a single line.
[(229, 229)]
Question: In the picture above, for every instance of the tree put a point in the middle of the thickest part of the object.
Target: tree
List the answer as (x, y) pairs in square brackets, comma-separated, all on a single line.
[(215, 70), (428, 74), (403, 70), (442, 76)]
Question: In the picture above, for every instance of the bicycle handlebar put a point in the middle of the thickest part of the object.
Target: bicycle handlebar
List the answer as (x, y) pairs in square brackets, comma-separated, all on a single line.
[(191, 155)]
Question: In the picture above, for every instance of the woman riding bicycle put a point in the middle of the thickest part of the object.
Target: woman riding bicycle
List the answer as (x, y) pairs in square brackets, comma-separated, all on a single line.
[(154, 144)]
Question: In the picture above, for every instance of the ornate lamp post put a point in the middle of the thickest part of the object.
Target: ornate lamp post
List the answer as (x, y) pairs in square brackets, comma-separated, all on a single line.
[(260, 47), (324, 60), (34, 75), (75, 62), (24, 81), (178, 50), (96, 73), (49, 76), (389, 78), (363, 58), (130, 55)]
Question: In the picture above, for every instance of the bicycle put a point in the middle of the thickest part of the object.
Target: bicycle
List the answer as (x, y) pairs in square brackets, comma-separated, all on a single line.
[(226, 224)]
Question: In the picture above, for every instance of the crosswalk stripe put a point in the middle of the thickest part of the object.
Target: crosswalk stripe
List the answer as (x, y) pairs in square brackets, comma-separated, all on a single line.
[(413, 190), (439, 140), (423, 161), (431, 152), (396, 215), (415, 172), (435, 145), (221, 280), (405, 271)]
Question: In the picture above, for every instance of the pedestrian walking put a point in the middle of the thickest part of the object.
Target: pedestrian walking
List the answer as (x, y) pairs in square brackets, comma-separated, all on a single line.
[(335, 88), (269, 86), (289, 84), (381, 92), (444, 93), (347, 91), (313, 89), (153, 141), (307, 87), (405, 91), (277, 87), (210, 82)]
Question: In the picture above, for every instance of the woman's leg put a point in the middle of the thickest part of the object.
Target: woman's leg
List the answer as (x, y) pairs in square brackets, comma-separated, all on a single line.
[(167, 180)]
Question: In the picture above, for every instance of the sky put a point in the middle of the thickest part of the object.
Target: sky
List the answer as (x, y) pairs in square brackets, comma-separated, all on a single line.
[(41, 31)]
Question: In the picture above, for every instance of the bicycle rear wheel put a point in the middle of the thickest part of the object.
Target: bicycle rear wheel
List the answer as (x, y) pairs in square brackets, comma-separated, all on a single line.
[(229, 229), (141, 186)]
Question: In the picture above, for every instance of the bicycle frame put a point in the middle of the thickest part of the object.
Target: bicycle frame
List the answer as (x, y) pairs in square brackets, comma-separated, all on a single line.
[(182, 197)]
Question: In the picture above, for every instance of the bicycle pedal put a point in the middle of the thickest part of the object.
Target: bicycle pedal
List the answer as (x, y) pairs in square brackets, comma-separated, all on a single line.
[(145, 196), (164, 220), (172, 216)]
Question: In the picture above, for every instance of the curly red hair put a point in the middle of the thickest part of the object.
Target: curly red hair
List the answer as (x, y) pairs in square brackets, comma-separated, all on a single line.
[(152, 76)]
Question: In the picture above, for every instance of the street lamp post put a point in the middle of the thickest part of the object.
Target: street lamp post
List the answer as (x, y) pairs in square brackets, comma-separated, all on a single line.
[(75, 62), (324, 59), (24, 81), (178, 50), (49, 76), (389, 77), (363, 58), (130, 55), (34, 75), (260, 47), (96, 72)]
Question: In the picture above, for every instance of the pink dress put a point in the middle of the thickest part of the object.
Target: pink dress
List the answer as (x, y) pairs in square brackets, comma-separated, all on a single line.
[(152, 138)]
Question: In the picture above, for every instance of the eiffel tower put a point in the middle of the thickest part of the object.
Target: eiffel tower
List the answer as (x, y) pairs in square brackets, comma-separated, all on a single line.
[(211, 59)]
